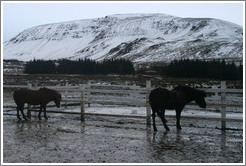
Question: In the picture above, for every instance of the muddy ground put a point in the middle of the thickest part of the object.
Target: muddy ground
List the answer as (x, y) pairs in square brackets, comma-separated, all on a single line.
[(62, 79), (103, 139), (65, 139)]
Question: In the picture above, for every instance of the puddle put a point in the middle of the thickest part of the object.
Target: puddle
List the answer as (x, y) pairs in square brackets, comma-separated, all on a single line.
[(105, 140)]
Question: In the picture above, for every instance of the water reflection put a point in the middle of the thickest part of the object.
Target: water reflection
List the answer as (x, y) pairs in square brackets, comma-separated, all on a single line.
[(34, 131), (223, 140), (163, 144), (163, 136)]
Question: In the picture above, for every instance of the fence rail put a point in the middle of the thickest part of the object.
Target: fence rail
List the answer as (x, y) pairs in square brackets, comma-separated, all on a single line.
[(126, 95)]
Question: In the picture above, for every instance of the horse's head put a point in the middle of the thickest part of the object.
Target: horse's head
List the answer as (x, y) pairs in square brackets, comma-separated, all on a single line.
[(57, 100), (55, 96), (199, 99), (201, 102)]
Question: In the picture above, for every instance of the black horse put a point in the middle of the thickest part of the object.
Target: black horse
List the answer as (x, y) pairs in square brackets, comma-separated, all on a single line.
[(35, 97), (161, 99)]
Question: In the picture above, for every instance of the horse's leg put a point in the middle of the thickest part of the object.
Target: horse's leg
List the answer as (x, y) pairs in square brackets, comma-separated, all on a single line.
[(22, 108), (178, 114), (45, 116), (163, 114), (153, 118), (154, 109), (160, 114), (39, 114), (18, 115)]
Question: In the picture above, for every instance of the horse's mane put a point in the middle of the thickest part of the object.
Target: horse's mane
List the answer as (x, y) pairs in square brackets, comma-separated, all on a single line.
[(191, 91), (47, 89), (51, 91)]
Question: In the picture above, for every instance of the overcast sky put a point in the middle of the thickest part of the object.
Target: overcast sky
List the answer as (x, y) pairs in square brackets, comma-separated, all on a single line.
[(18, 16)]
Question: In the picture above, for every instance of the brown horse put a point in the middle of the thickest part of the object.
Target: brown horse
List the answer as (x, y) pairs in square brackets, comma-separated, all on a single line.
[(161, 99), (35, 97)]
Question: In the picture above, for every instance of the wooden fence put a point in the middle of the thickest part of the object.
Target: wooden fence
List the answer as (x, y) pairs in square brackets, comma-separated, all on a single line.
[(126, 95)]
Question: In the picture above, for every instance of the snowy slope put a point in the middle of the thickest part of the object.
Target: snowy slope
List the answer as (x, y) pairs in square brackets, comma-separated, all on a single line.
[(138, 37)]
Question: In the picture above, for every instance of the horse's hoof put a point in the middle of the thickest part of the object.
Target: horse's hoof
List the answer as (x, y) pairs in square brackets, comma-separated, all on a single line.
[(46, 118), (179, 127), (167, 129), (25, 118), (154, 127)]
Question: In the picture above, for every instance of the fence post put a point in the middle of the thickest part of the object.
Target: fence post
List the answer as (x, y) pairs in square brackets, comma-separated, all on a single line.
[(223, 108), (82, 104), (89, 93), (66, 93), (148, 112), (29, 86), (35, 85)]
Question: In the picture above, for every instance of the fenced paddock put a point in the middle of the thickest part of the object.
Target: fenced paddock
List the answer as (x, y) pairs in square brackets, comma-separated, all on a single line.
[(128, 95)]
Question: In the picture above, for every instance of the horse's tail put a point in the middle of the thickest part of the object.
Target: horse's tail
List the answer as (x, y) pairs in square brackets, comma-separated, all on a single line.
[(14, 96), (151, 97), (17, 96)]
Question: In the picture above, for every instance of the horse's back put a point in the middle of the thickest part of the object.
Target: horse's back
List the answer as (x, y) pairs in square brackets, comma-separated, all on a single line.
[(25, 95), (157, 96), (20, 92)]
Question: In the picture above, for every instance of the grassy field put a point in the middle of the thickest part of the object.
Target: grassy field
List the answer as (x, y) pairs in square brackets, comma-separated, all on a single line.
[(62, 79)]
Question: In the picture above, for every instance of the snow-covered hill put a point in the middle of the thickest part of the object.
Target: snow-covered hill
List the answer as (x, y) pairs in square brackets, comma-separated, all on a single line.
[(138, 37)]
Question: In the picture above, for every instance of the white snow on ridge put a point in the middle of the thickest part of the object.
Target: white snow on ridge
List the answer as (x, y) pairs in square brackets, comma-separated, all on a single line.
[(138, 37)]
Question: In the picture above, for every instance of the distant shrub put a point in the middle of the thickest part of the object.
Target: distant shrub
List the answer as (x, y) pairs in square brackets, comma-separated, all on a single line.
[(86, 66), (202, 69), (40, 67)]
